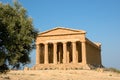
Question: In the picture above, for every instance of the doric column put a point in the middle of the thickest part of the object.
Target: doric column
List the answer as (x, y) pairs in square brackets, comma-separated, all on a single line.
[(37, 54), (84, 59), (74, 52), (55, 53), (68, 56), (64, 52), (46, 54)]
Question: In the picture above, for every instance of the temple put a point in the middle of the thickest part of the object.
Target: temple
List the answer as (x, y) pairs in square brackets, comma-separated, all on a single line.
[(63, 48)]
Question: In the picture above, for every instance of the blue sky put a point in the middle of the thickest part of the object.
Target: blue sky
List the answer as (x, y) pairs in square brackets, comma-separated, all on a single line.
[(100, 18)]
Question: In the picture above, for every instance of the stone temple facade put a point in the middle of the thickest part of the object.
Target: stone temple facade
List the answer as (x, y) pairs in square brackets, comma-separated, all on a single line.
[(63, 48)]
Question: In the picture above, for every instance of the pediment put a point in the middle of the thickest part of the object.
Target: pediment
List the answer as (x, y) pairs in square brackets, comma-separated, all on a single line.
[(60, 31)]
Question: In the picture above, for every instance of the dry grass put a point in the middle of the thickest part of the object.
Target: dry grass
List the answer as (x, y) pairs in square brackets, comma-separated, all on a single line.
[(61, 75), (113, 70)]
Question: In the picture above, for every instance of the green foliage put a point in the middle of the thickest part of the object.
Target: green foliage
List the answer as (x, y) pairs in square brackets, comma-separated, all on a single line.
[(17, 35)]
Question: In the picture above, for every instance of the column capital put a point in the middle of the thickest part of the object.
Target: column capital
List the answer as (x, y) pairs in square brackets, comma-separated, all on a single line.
[(54, 42), (83, 41), (73, 41), (64, 42), (45, 43), (37, 43)]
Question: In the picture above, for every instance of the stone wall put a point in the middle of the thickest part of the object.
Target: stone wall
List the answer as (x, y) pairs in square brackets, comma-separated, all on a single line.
[(93, 54)]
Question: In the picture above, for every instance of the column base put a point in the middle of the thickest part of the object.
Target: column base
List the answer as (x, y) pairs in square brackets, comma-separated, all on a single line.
[(69, 66), (58, 67)]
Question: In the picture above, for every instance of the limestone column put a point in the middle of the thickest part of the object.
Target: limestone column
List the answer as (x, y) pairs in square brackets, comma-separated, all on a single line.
[(74, 52), (55, 53), (84, 59), (64, 52), (37, 54), (67, 57), (46, 54)]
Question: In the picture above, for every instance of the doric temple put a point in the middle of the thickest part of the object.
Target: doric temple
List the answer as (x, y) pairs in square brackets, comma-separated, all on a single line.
[(63, 48)]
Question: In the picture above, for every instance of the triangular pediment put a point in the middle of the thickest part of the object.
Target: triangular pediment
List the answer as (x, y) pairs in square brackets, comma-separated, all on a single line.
[(61, 31)]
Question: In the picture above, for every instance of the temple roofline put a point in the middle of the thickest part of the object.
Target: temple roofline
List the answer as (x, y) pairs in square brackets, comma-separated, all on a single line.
[(95, 44), (74, 30)]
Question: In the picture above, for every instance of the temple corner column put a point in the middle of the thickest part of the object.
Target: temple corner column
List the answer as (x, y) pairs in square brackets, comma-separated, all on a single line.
[(37, 54), (84, 56)]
